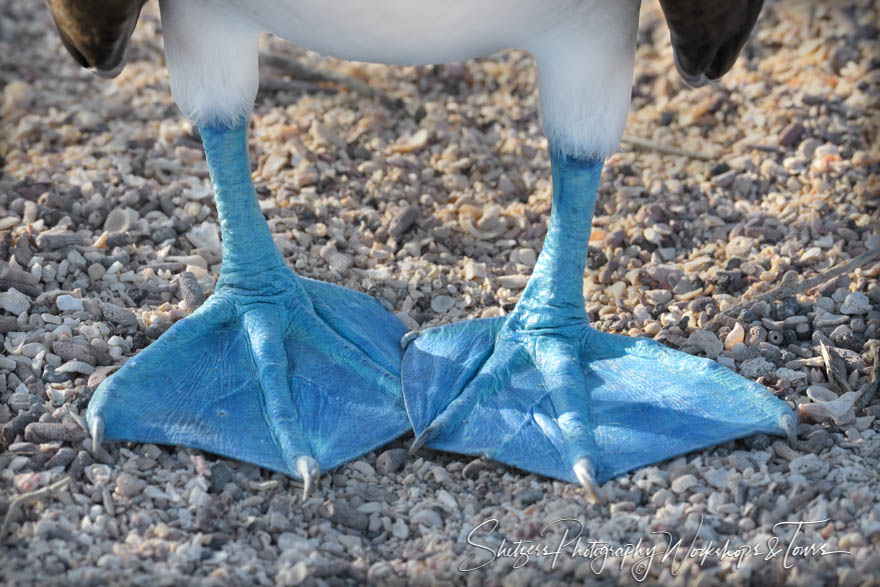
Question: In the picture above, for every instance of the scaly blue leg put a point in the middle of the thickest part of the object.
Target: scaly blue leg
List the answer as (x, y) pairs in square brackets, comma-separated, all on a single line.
[(541, 390), (291, 374)]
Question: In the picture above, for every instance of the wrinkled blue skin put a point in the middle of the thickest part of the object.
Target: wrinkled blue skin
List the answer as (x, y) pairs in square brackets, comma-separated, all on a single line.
[(273, 366), (540, 389)]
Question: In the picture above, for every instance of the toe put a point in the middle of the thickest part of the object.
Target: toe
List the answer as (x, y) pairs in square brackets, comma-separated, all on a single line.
[(559, 362), (585, 471), (309, 471), (270, 359)]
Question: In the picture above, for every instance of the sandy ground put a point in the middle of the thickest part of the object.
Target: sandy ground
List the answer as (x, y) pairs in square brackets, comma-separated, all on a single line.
[(438, 207)]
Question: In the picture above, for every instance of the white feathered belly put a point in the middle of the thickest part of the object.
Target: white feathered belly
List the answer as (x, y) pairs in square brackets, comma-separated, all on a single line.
[(407, 32), (584, 50)]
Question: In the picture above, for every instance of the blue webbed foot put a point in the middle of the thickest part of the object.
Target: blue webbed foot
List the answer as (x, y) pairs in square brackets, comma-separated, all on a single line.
[(264, 381), (577, 403), (291, 374), (543, 391)]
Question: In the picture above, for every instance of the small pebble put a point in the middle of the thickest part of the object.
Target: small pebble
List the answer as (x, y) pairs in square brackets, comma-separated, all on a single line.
[(809, 465), (427, 517), (683, 483), (221, 474), (292, 576), (118, 220), (205, 236), (403, 220), (707, 342), (129, 485), (14, 302), (17, 97), (400, 530), (391, 461), (473, 468), (41, 432), (757, 367), (735, 336), (75, 366), (62, 458), (856, 303), (67, 303), (791, 134), (343, 515), (513, 281), (119, 315), (98, 474), (442, 303)]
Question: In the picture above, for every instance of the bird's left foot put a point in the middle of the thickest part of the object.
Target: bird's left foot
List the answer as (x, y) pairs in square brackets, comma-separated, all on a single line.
[(543, 391), (574, 403)]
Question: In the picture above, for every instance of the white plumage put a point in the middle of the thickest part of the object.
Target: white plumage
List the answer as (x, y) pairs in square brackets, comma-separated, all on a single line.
[(584, 49)]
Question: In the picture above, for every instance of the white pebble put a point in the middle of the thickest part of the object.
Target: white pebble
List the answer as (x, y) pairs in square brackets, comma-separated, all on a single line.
[(513, 281), (735, 336), (820, 393), (74, 366), (839, 410), (116, 267), (856, 303), (442, 303), (400, 530), (205, 236), (427, 517), (98, 474), (68, 303), (292, 576), (14, 302), (474, 270), (683, 483), (809, 465), (17, 95), (716, 477)]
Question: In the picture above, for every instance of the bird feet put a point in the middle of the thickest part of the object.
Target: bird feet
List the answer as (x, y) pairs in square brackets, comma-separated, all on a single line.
[(572, 402)]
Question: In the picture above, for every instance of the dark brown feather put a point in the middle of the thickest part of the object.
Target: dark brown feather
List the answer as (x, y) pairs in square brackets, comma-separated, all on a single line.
[(707, 35), (96, 32)]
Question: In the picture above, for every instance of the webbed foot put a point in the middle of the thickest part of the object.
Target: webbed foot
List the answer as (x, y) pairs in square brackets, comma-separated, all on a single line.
[(579, 404), (264, 381), (541, 390), (291, 374)]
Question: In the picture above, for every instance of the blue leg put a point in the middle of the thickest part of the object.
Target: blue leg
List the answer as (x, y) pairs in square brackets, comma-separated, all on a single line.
[(541, 390), (292, 374)]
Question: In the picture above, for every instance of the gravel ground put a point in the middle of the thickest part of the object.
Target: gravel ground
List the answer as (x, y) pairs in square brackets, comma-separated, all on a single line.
[(438, 207)]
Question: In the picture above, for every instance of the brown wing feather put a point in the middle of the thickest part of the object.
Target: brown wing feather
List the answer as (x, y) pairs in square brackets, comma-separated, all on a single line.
[(96, 32), (707, 35)]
